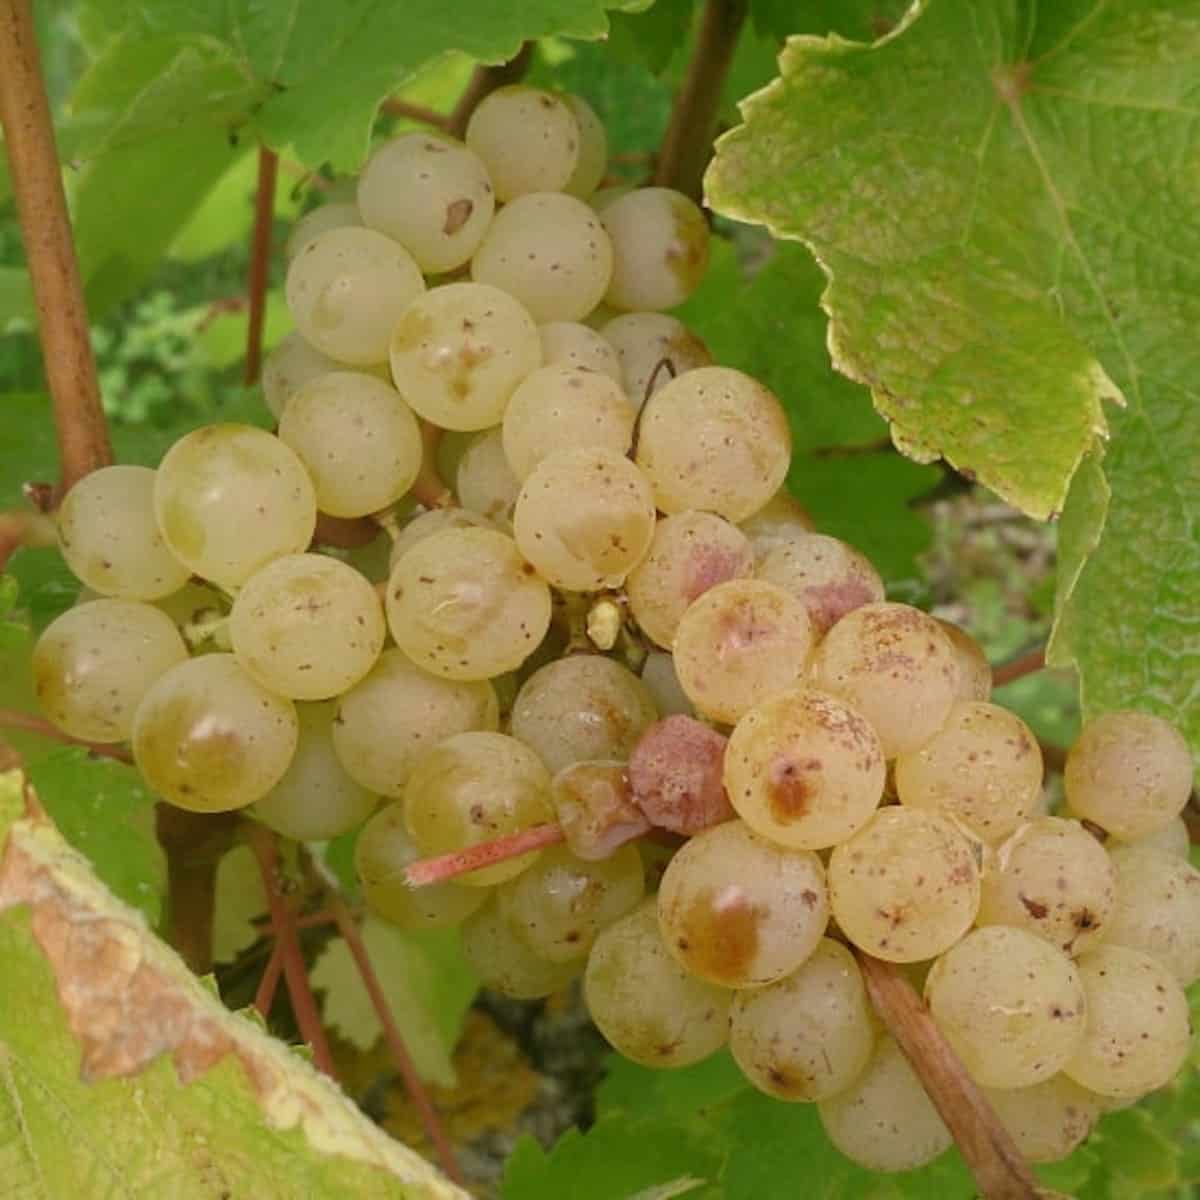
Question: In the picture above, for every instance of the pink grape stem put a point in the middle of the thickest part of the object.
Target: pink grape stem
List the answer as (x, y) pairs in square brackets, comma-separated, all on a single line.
[(485, 854)]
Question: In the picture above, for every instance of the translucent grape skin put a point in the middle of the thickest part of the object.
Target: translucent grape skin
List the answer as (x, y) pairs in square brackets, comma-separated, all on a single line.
[(1129, 772), (307, 626), (434, 521), (108, 535), (690, 553), (397, 712), (582, 707), (885, 1121), (779, 521), (905, 887), (584, 518), (1053, 879), (675, 775), (93, 665), (974, 670), (983, 768), (208, 738), (828, 575), (653, 348), (289, 366), (358, 439), (804, 769), (558, 408), (485, 481), (472, 788), (381, 853), (807, 1036), (464, 604), (660, 248), (740, 643), (1046, 1120), (1170, 839), (738, 911), (347, 288), (559, 904), (315, 799), (229, 498), (593, 148), (1138, 1031), (714, 439), (431, 194), (644, 1003), (1157, 909), (571, 344), (894, 664), (527, 138), (337, 214), (459, 351), (594, 808), (660, 676), (1010, 1004), (550, 252), (505, 963)]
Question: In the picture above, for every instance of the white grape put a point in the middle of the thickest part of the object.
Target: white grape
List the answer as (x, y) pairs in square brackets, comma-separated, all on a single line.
[(905, 887), (504, 962), (527, 138), (561, 408), (432, 194), (464, 604), (428, 523), (397, 712), (781, 520), (646, 1005), (93, 665), (208, 738), (315, 799), (291, 365), (346, 290), (358, 439), (974, 670), (1046, 1120), (229, 498), (109, 537), (885, 1120), (485, 481), (571, 344), (307, 626), (582, 707), (714, 439), (337, 214), (660, 248), (459, 351), (738, 910), (653, 348), (550, 252), (809, 1035), (584, 518), (593, 148), (804, 769)]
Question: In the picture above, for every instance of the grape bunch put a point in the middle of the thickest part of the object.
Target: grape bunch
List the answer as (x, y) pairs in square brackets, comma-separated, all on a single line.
[(721, 763)]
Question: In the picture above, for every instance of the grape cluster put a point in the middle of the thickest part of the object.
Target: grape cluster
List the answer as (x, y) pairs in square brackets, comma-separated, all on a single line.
[(616, 626)]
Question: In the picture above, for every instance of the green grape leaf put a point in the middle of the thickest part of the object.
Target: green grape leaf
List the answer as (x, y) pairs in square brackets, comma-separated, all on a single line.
[(843, 469), (1000, 266), (16, 298), (240, 900), (426, 980), (103, 809), (122, 1075), (322, 69), (856, 20)]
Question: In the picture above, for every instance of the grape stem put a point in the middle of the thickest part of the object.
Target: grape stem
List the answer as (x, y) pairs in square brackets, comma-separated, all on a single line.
[(484, 81), (348, 928), (268, 985), (395, 107), (283, 924), (485, 854), (987, 1147), (260, 262), (20, 528), (687, 144), (70, 367), (1017, 668), (28, 723)]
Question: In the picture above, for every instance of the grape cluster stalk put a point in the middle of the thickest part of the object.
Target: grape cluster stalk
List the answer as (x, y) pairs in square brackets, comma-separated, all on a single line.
[(718, 762)]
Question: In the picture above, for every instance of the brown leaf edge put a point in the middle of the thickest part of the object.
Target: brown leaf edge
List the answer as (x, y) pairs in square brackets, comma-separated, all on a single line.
[(129, 998)]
